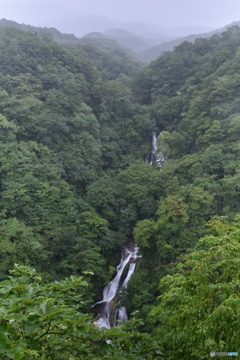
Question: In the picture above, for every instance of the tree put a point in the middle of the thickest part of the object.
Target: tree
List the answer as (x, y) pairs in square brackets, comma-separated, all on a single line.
[(199, 308), (45, 322)]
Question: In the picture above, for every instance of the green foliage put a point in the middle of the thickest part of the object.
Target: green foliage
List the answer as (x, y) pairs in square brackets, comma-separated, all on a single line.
[(56, 143), (199, 308), (75, 128), (143, 232), (193, 95), (45, 322)]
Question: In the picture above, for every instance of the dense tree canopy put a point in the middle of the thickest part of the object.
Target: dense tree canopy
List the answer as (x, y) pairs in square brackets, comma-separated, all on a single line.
[(199, 308), (76, 125), (45, 321)]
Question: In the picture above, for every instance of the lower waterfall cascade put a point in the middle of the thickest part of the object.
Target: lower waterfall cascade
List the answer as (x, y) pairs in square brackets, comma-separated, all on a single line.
[(109, 316)]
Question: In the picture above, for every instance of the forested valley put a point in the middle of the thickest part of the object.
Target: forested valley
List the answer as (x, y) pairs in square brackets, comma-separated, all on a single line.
[(76, 125)]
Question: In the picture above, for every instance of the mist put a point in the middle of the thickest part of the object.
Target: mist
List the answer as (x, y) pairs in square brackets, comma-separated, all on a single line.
[(80, 17)]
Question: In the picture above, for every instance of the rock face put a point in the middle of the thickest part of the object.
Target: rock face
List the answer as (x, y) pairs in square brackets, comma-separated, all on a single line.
[(133, 260)]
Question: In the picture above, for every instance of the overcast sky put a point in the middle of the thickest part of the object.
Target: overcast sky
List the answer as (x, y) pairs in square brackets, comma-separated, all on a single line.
[(213, 13)]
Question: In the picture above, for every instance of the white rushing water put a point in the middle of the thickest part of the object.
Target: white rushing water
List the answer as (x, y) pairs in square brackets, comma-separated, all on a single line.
[(154, 157), (119, 316), (150, 156)]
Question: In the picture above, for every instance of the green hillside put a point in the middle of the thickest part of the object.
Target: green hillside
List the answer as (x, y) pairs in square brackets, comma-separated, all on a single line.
[(153, 52), (76, 125)]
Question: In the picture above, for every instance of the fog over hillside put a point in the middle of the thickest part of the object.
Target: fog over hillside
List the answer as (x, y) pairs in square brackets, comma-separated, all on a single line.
[(112, 13), (145, 30), (89, 23), (172, 17), (146, 46)]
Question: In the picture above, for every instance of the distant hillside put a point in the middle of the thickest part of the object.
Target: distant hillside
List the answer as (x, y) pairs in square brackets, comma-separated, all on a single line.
[(98, 40), (105, 44), (130, 40), (95, 35), (116, 41), (80, 24), (157, 38), (153, 52), (149, 46), (57, 35), (106, 54), (182, 31)]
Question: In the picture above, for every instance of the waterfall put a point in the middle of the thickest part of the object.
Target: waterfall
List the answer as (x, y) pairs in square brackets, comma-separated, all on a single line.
[(122, 312), (159, 158), (150, 156), (109, 316)]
